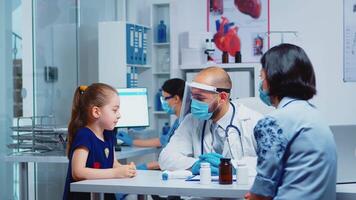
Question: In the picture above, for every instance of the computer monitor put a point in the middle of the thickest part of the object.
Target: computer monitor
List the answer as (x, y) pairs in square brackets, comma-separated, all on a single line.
[(133, 107)]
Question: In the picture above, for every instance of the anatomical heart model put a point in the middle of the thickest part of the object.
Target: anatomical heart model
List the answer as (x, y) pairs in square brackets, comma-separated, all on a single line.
[(239, 26), (226, 38), (249, 7)]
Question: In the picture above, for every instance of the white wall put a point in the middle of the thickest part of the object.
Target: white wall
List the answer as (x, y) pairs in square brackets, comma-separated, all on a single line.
[(320, 26), (187, 15), (91, 13)]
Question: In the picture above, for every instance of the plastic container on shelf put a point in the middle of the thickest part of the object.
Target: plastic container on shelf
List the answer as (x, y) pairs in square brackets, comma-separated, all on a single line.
[(158, 104), (165, 62), (161, 32)]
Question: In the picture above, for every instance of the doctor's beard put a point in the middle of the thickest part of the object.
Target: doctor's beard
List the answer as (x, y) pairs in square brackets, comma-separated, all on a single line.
[(215, 108)]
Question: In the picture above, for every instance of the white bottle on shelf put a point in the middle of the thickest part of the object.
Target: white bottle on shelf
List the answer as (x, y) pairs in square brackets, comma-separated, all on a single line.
[(165, 62)]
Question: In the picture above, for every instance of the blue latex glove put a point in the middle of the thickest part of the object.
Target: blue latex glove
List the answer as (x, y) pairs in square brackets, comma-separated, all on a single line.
[(212, 158), (122, 135), (196, 167), (164, 140), (214, 171), (142, 166)]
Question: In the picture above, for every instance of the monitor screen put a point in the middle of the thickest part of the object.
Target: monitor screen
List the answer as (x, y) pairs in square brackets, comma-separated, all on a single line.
[(133, 107)]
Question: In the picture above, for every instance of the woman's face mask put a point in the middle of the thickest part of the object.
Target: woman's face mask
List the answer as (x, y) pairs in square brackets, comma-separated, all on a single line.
[(264, 95), (166, 107)]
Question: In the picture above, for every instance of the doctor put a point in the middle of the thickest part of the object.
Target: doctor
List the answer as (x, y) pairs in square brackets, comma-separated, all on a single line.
[(215, 128)]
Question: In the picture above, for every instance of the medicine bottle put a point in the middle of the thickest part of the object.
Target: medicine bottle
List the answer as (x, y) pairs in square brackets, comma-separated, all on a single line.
[(225, 171), (242, 173), (205, 173)]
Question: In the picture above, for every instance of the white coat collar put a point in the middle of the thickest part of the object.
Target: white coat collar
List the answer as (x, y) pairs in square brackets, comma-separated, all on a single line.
[(225, 120)]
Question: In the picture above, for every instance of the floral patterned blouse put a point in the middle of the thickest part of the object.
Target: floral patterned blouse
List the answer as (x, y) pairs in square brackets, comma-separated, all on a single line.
[(296, 154)]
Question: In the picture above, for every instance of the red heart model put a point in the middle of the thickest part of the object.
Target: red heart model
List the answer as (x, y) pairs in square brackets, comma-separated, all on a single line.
[(249, 7)]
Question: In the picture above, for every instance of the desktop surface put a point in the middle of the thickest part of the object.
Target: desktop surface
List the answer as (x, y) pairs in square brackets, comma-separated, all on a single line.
[(345, 139)]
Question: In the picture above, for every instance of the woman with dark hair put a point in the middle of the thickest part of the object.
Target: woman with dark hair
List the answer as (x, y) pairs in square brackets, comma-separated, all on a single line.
[(172, 95), (295, 148)]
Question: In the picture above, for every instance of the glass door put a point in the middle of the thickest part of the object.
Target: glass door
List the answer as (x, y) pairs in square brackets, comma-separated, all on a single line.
[(55, 77)]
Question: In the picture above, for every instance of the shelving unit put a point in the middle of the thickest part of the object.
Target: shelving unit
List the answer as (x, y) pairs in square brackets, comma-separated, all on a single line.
[(114, 40), (161, 73), (161, 44), (159, 113), (113, 51), (161, 60)]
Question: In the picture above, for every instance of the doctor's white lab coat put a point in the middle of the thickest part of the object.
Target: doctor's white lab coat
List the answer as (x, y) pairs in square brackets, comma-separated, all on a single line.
[(184, 148)]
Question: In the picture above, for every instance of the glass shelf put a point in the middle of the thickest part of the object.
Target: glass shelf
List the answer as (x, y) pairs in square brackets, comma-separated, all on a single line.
[(161, 44), (140, 66), (159, 113), (161, 73)]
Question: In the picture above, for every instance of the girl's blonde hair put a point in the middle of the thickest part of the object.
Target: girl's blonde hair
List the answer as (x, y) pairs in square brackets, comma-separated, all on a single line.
[(85, 98)]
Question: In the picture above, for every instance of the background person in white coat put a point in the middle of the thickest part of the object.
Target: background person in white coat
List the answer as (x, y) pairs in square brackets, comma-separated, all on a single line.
[(202, 134)]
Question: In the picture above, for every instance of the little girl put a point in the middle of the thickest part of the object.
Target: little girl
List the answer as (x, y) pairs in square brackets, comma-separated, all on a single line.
[(90, 147)]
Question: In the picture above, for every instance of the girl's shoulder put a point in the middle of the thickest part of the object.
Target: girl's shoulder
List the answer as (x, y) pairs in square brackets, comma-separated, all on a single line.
[(83, 134), (82, 138), (84, 131)]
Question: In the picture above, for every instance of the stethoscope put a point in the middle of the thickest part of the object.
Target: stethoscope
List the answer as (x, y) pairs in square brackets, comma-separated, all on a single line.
[(226, 133)]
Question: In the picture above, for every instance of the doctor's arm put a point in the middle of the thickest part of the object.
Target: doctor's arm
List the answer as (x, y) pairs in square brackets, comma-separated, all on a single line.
[(178, 154), (271, 146)]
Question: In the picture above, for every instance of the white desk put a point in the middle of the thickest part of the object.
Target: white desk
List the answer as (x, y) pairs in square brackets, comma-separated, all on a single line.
[(24, 159), (149, 182), (346, 191)]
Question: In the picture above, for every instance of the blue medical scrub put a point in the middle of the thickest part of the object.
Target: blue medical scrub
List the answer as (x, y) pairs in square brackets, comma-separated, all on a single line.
[(164, 139), (296, 154), (101, 156)]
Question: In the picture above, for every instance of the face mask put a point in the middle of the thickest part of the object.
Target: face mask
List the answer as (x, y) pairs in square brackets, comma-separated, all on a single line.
[(200, 110), (264, 95), (167, 108)]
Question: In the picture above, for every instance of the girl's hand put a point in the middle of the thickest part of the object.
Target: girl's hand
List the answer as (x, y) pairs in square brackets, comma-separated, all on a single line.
[(126, 171)]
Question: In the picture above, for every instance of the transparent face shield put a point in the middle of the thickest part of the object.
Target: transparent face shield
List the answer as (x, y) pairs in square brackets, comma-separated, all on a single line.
[(187, 97)]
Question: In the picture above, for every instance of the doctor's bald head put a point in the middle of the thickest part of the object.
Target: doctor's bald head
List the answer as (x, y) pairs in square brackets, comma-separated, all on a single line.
[(211, 88), (214, 76)]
